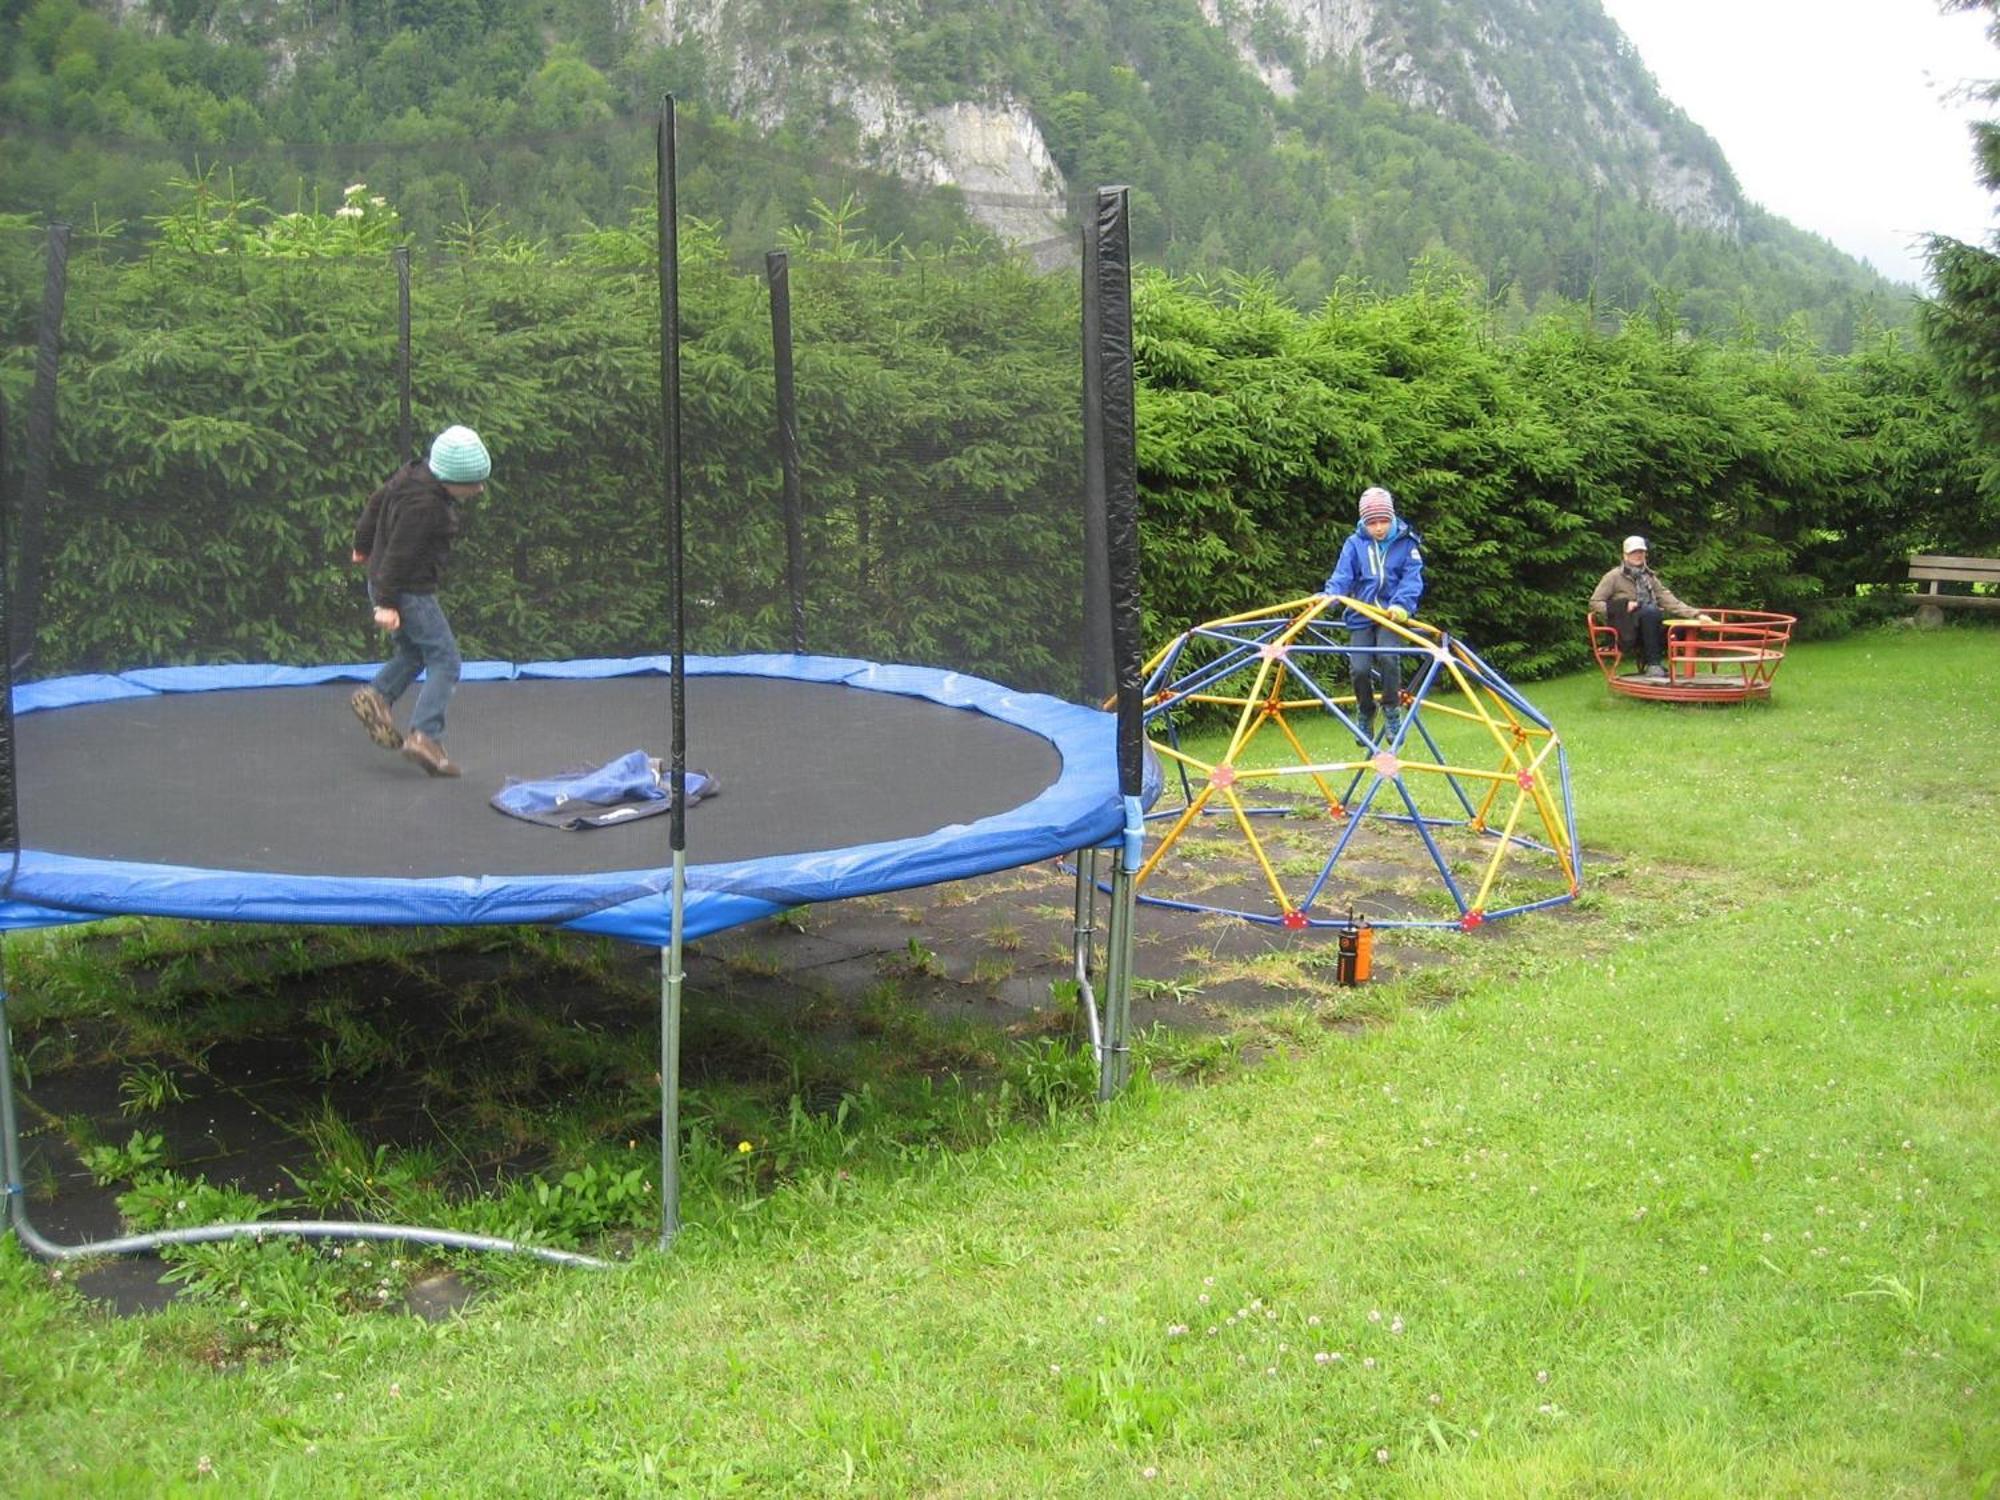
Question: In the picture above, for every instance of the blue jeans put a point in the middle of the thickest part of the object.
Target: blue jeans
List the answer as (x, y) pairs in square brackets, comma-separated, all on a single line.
[(1371, 670), (424, 643)]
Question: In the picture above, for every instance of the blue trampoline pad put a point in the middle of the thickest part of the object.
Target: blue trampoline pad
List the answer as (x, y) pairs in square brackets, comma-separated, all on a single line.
[(252, 794)]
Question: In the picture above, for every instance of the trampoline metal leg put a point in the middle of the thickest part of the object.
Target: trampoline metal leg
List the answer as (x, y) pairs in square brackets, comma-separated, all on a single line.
[(672, 975), (1083, 939), (1117, 1051), (10, 1140)]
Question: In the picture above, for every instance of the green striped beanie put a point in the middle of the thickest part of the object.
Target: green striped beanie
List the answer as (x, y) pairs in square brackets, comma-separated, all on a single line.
[(458, 457)]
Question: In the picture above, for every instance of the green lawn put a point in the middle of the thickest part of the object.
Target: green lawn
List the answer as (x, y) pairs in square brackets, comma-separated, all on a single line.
[(1698, 1194)]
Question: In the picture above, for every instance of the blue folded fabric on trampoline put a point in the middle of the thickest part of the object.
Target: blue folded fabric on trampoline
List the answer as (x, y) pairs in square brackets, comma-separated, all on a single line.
[(635, 785)]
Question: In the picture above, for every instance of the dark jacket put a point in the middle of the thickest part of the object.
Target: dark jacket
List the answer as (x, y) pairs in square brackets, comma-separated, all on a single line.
[(1385, 574), (1617, 589), (406, 531)]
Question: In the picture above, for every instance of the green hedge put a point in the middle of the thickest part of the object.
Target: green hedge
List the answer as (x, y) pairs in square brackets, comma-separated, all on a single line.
[(1781, 480), (226, 407)]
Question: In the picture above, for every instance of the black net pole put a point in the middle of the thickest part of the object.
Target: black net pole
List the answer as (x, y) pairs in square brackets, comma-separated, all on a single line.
[(670, 405), (40, 452), (1121, 475), (406, 440), (778, 278), (1097, 680)]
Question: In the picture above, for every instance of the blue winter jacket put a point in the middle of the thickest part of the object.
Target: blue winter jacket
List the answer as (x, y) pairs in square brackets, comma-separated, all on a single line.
[(1385, 573)]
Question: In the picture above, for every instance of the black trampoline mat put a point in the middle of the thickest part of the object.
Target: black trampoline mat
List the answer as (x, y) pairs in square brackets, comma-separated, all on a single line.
[(285, 781)]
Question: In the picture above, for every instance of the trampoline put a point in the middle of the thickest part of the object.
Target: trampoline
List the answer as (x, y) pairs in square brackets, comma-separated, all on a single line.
[(927, 483), (249, 794)]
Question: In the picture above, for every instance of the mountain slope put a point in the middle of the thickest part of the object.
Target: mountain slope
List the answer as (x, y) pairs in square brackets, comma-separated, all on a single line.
[(1520, 143), (1523, 139)]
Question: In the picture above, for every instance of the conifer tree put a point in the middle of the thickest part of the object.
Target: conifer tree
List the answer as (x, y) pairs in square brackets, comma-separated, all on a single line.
[(1961, 326)]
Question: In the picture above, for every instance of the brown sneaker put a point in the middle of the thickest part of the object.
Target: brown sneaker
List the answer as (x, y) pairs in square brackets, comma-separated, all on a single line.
[(429, 754), (372, 709)]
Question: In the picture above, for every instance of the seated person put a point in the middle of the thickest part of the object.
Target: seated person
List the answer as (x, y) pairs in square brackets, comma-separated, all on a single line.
[(1636, 602)]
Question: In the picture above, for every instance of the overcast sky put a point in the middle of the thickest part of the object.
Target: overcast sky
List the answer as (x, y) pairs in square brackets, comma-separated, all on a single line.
[(1833, 113)]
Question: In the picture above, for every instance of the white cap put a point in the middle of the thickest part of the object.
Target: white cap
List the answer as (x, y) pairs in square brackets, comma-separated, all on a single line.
[(1634, 544)]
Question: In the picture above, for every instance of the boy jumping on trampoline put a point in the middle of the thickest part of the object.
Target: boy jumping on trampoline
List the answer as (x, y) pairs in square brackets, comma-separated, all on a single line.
[(404, 535), (1381, 564)]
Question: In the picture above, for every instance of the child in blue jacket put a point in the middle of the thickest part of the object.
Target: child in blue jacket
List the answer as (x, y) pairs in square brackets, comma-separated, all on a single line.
[(1382, 565)]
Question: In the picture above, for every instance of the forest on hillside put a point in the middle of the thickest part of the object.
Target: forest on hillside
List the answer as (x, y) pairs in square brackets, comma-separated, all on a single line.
[(1331, 186)]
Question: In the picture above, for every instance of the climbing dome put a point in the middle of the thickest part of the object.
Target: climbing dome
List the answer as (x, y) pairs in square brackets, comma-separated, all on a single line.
[(1460, 816)]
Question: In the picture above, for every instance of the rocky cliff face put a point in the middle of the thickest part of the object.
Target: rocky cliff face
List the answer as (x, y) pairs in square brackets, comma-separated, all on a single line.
[(1458, 71), (990, 148), (1459, 67)]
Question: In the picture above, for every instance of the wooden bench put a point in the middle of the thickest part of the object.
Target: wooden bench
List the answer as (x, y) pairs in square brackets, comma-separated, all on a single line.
[(1929, 568)]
